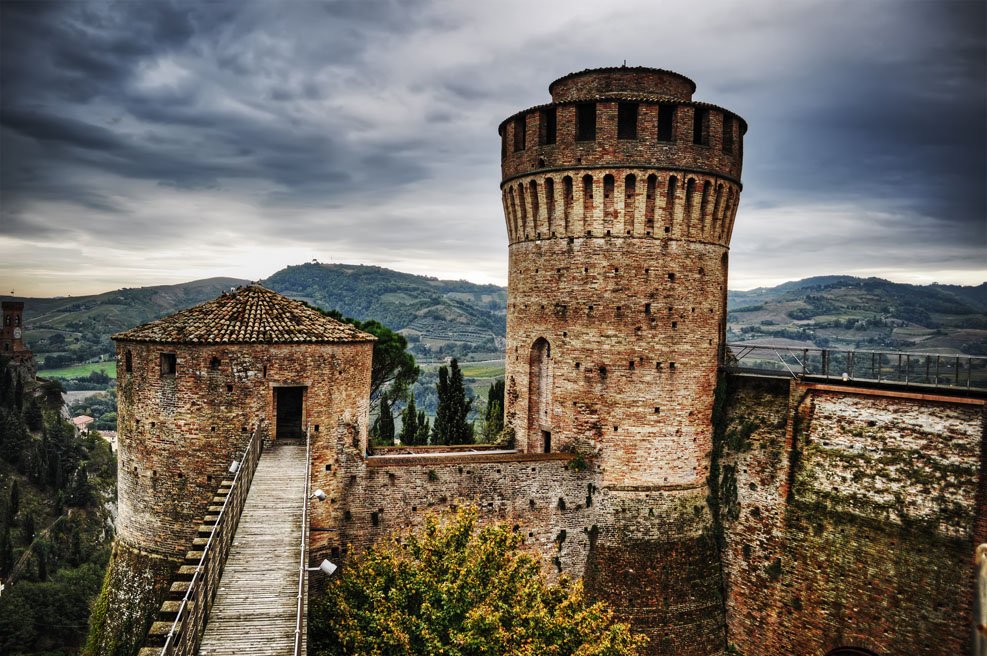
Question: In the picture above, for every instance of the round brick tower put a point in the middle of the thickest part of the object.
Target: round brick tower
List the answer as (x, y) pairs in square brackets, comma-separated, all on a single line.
[(192, 389), (620, 197)]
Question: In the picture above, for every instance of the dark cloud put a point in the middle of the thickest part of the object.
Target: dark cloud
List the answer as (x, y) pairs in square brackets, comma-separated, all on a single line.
[(369, 128)]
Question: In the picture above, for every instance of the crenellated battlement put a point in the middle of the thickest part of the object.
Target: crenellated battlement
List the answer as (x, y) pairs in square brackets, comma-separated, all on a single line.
[(627, 129)]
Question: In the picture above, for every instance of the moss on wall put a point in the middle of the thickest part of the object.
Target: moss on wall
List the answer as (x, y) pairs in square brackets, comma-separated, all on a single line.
[(133, 589)]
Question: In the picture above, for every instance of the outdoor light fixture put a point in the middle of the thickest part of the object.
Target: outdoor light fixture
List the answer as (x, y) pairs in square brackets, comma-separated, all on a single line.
[(234, 467), (318, 494), (326, 568)]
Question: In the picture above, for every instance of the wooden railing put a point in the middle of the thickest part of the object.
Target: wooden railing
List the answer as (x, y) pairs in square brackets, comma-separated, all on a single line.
[(303, 552), (190, 622), (896, 367)]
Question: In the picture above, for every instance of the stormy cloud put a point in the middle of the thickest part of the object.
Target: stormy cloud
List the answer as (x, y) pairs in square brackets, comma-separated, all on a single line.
[(154, 142)]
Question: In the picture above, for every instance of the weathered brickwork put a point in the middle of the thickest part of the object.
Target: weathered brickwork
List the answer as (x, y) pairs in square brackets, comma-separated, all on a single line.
[(549, 498), (179, 433), (187, 409), (850, 519), (619, 199)]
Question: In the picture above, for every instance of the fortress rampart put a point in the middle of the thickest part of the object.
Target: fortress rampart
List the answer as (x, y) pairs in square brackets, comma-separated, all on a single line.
[(717, 513)]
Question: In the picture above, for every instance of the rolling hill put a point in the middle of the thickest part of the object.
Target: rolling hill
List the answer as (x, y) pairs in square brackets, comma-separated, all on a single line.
[(863, 313), (458, 318)]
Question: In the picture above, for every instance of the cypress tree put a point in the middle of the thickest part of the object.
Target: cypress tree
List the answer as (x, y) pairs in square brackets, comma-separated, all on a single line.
[(409, 423), (15, 500), (493, 420), (385, 422), (451, 423), (423, 428), (27, 529), (6, 553)]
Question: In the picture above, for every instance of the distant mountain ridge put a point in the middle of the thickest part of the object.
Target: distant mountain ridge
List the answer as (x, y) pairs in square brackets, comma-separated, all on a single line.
[(468, 320)]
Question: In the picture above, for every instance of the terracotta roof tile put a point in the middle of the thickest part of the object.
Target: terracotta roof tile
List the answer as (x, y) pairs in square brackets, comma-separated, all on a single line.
[(247, 315)]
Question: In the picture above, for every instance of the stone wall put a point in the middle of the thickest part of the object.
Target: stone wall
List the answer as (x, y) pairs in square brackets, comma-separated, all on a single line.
[(850, 518), (134, 586)]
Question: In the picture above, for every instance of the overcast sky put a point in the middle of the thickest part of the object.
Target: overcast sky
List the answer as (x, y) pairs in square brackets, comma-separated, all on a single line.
[(149, 142)]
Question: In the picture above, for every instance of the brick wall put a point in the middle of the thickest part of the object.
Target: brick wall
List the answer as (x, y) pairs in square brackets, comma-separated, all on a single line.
[(178, 434), (872, 543)]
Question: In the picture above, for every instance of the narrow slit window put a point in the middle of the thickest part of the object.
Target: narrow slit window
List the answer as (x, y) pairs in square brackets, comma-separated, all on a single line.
[(586, 122), (666, 122), (627, 120), (128, 362), (700, 126), (520, 129), (548, 126)]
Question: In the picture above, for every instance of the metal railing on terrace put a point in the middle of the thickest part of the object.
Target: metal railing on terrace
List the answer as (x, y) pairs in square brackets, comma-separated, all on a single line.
[(190, 622), (896, 367)]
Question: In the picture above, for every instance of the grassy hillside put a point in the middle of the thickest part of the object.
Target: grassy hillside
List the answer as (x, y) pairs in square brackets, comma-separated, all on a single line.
[(442, 318), (438, 317), (864, 313), (75, 329)]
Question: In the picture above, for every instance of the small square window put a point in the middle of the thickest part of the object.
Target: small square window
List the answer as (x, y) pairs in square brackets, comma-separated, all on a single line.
[(169, 364)]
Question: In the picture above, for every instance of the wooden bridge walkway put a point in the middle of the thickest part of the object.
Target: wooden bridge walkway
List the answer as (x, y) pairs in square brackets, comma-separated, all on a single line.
[(254, 610)]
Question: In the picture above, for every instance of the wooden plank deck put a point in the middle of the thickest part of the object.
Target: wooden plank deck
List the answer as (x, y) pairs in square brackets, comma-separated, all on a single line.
[(254, 610)]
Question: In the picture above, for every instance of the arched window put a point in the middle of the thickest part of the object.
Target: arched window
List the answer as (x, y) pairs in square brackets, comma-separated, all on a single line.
[(540, 396)]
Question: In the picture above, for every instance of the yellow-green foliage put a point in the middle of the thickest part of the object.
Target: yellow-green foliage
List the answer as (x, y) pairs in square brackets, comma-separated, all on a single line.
[(457, 589)]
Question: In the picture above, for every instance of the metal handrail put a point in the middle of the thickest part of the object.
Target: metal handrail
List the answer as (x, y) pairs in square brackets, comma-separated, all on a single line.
[(900, 367), (303, 548), (190, 621)]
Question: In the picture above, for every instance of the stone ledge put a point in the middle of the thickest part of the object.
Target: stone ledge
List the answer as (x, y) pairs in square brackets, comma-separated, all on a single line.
[(454, 458)]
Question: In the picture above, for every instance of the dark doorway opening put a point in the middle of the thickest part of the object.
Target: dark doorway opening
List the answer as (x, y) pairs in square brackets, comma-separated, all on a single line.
[(288, 411), (546, 437)]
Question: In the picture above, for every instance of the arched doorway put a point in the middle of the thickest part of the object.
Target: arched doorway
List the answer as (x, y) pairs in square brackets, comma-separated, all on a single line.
[(540, 397)]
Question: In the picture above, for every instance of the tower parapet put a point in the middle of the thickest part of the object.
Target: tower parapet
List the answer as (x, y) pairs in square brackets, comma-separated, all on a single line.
[(619, 198)]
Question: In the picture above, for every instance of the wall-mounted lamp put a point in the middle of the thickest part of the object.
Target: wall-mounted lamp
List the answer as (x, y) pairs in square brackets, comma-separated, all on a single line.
[(326, 568), (318, 494)]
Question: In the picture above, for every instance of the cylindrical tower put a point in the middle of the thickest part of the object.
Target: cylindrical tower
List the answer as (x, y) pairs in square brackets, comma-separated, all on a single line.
[(620, 197), (192, 388)]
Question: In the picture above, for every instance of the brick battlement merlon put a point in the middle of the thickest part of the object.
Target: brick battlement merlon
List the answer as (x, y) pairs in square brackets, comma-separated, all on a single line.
[(625, 96)]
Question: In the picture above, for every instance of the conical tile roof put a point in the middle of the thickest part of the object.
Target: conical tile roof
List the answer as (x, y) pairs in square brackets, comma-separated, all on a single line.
[(246, 315)]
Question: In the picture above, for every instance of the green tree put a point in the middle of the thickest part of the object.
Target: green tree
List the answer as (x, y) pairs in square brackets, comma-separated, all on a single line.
[(451, 424), (393, 369), (383, 428), (493, 419), (27, 528), (52, 391), (423, 428), (458, 589), (14, 504), (6, 553), (409, 423)]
